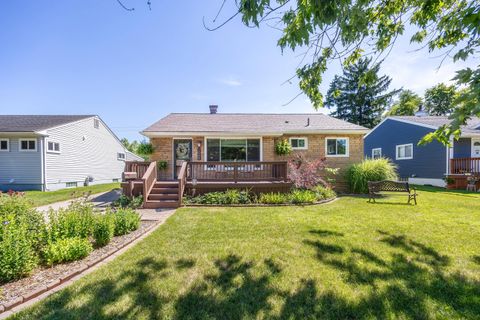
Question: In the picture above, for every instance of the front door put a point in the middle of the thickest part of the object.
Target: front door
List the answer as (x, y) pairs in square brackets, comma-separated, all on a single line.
[(182, 151), (475, 148)]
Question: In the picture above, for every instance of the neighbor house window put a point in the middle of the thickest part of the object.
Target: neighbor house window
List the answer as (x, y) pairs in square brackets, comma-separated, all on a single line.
[(233, 150), (53, 147), (28, 145), (121, 156), (299, 143), (376, 153), (336, 147), (4, 145), (71, 184), (96, 123), (404, 151)]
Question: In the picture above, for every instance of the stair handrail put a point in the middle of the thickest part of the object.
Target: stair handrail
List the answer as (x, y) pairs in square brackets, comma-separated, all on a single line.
[(182, 181), (149, 179)]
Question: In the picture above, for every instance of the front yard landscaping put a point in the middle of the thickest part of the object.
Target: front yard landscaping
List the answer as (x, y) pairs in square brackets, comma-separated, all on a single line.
[(345, 260)]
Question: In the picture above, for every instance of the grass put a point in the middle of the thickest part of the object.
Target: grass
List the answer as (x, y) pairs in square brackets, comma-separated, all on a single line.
[(40, 198), (345, 260)]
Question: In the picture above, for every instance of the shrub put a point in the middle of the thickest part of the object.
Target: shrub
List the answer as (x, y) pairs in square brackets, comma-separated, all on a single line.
[(298, 196), (126, 221), (17, 255), (304, 173), (64, 250), (283, 147), (75, 221), (125, 202), (369, 170), (324, 193), (103, 229), (273, 198)]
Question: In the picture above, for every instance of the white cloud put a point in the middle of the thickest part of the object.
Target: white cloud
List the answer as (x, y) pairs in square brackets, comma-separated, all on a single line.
[(230, 81)]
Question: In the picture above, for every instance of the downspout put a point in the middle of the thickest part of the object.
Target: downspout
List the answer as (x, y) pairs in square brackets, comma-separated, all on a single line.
[(44, 167)]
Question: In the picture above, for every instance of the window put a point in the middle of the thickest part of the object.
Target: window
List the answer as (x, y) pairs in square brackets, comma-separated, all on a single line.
[(299, 143), (404, 151), (4, 145), (121, 156), (28, 145), (376, 153), (71, 184), (96, 123), (115, 180), (53, 147), (336, 147), (233, 150)]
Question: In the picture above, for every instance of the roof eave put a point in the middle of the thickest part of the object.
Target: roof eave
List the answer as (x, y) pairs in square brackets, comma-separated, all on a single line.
[(154, 134), (23, 133)]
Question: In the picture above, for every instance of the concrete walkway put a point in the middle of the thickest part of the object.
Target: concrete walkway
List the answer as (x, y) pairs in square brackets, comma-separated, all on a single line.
[(99, 200)]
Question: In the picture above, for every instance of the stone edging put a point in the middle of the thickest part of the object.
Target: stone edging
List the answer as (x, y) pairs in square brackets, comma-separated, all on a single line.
[(35, 293), (261, 205)]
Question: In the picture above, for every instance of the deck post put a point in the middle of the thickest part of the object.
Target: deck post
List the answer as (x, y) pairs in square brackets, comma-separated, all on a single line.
[(235, 173)]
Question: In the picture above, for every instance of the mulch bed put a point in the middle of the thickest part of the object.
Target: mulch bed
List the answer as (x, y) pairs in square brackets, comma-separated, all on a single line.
[(44, 278)]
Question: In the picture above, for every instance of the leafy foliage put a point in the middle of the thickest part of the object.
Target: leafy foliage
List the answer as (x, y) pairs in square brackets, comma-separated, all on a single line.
[(359, 174), (125, 202), (305, 173), (75, 221), (126, 221), (64, 250), (144, 149), (407, 104), (440, 100), (104, 229), (283, 147), (346, 30), (301, 196), (273, 198), (360, 96), (231, 196)]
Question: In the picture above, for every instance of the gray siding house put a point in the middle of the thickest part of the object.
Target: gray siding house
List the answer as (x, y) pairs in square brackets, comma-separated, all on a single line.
[(397, 138), (50, 152)]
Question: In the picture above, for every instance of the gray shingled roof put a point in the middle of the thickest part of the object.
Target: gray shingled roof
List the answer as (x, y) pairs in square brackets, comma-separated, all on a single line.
[(473, 125), (250, 123), (34, 123)]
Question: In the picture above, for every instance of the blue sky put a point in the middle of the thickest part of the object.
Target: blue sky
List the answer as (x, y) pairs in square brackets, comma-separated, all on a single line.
[(132, 68)]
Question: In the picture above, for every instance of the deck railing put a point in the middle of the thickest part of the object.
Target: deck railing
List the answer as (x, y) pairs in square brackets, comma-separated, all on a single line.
[(140, 167), (465, 165), (149, 179), (182, 181), (237, 171)]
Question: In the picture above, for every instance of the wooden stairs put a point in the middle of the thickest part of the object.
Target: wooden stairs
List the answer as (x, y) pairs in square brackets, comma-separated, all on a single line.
[(164, 194)]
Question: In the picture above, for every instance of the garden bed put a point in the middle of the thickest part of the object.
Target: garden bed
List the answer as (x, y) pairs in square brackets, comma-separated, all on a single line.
[(262, 204), (44, 278)]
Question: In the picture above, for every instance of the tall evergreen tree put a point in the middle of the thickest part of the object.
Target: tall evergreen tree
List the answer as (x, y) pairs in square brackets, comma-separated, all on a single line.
[(360, 96)]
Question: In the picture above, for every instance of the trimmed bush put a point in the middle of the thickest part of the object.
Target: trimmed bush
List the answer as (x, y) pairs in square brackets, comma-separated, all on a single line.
[(64, 250), (299, 196), (126, 221), (369, 170), (324, 193), (17, 255), (273, 198), (125, 202), (103, 229)]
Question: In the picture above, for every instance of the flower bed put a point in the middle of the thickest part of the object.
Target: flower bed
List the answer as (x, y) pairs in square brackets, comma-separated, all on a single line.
[(235, 197), (35, 247)]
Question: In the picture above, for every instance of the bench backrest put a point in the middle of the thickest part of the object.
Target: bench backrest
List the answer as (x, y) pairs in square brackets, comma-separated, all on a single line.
[(387, 185)]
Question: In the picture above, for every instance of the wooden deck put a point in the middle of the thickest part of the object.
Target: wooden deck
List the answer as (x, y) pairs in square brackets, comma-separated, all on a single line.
[(460, 170), (141, 178)]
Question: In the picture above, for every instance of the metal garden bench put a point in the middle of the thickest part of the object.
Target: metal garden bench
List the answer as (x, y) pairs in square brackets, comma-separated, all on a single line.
[(375, 187)]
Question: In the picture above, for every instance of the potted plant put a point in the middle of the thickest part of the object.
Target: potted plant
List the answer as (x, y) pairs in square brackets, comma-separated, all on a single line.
[(283, 147)]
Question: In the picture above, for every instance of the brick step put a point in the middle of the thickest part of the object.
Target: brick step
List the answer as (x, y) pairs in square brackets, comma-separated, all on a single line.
[(157, 204), (163, 196)]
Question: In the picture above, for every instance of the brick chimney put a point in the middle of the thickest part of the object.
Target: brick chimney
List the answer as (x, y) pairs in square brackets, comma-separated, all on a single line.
[(213, 108)]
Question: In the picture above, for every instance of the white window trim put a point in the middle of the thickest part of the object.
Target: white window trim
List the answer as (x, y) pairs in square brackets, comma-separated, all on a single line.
[(373, 151), (122, 159), (231, 138), (347, 151), (403, 145), (27, 150), (8, 144), (298, 138), (472, 141), (53, 151)]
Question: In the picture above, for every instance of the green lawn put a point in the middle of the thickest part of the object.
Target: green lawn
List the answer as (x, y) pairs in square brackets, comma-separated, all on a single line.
[(40, 198), (344, 260)]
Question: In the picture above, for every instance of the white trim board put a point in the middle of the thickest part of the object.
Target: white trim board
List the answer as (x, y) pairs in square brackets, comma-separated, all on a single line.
[(401, 120)]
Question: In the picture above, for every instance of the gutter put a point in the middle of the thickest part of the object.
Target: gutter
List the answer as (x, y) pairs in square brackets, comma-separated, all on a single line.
[(153, 134)]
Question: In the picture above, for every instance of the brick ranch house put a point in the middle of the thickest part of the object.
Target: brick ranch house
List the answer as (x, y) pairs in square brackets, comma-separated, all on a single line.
[(216, 151)]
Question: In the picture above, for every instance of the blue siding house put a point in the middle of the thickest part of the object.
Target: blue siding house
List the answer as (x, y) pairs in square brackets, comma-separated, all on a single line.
[(397, 138)]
